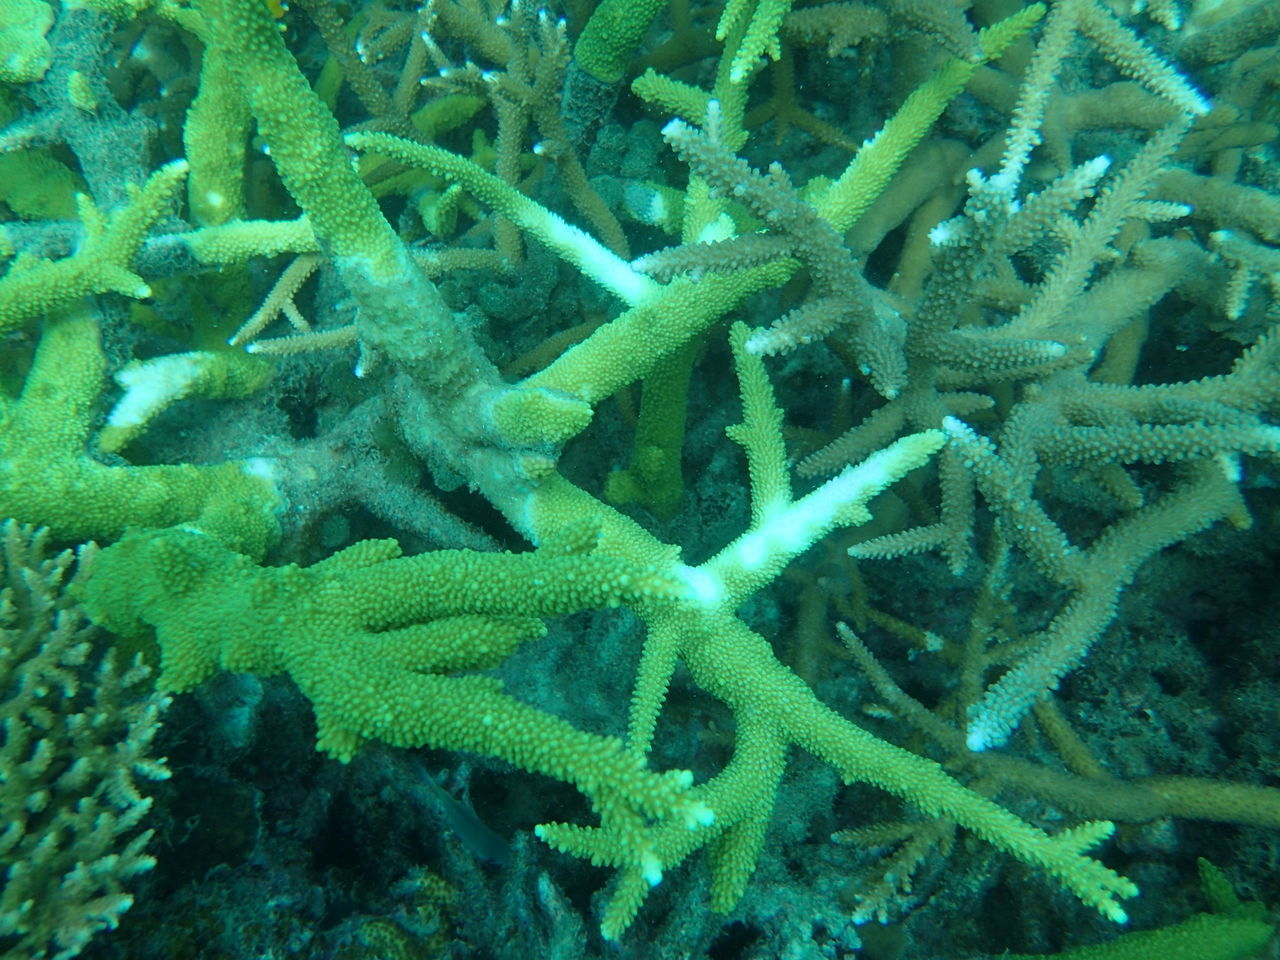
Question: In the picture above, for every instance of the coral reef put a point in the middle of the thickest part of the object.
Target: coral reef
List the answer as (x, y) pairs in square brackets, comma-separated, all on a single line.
[(383, 357)]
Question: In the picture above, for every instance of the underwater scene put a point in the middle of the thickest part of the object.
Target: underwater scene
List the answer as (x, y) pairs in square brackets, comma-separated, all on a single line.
[(771, 480)]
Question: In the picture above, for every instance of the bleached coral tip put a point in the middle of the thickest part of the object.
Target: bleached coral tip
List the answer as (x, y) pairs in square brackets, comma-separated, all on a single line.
[(977, 740), (700, 815), (651, 867), (940, 235), (703, 587)]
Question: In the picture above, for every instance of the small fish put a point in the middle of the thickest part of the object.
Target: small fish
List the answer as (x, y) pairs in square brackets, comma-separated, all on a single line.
[(462, 820)]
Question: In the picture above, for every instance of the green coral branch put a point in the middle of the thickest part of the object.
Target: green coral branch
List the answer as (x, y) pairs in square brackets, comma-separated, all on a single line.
[(1232, 930), (574, 245), (615, 28), (152, 386), (867, 175), (402, 312), (626, 349), (34, 288), (376, 641), (238, 241), (301, 135), (772, 706), (48, 475)]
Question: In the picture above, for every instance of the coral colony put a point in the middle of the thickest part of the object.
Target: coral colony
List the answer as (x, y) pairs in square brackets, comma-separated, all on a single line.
[(638, 479)]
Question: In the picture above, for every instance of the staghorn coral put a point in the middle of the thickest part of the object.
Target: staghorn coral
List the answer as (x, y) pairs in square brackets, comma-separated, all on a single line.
[(1013, 298)]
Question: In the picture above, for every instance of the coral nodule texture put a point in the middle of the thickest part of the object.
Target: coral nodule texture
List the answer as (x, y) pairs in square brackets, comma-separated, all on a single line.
[(794, 464)]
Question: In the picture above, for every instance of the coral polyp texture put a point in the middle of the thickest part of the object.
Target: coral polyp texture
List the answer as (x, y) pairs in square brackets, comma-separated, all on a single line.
[(638, 480)]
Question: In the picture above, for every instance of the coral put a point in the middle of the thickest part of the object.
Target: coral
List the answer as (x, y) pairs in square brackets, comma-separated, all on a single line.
[(78, 731), (49, 471), (1232, 930), (24, 51), (984, 297), (34, 288)]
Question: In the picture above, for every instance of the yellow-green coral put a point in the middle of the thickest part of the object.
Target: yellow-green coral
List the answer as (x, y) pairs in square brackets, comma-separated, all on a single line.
[(399, 649), (24, 51), (1232, 930), (34, 287), (47, 472), (379, 643), (152, 386)]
